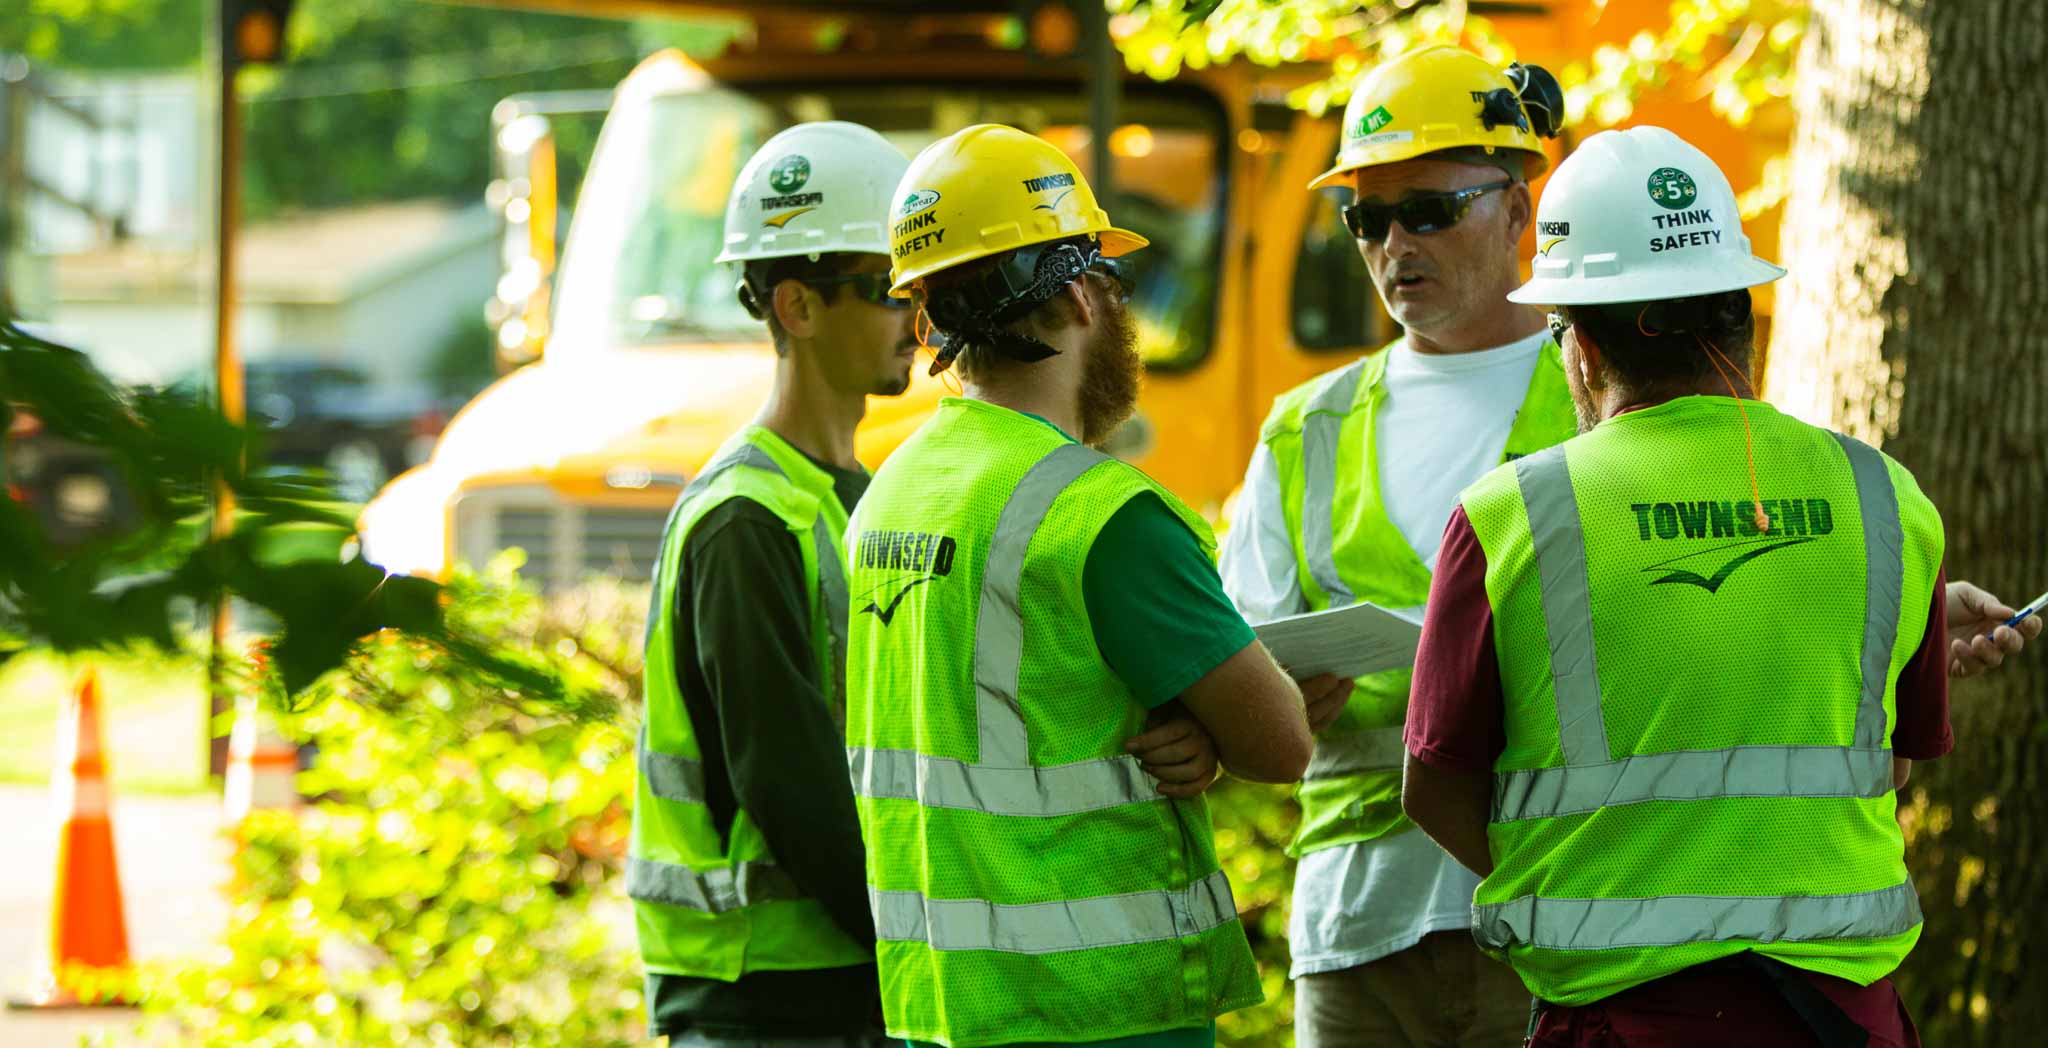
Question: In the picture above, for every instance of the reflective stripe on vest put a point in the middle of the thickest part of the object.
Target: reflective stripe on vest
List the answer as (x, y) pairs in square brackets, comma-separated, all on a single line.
[(1590, 779), (1322, 424), (1054, 927), (1004, 782), (1336, 756), (1884, 581), (939, 782), (1603, 924), (715, 890), (670, 777)]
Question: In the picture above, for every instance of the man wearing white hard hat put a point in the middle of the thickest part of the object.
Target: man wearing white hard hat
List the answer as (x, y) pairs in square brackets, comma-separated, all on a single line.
[(1674, 669), (747, 873)]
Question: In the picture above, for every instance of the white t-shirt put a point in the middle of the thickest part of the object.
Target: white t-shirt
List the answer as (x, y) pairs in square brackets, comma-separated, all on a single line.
[(1444, 423)]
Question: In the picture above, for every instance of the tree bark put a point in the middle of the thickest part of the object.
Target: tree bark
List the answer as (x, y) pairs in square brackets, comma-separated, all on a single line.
[(1917, 234)]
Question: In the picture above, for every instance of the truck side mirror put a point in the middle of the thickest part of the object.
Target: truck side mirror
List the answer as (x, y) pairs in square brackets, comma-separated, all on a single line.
[(523, 196)]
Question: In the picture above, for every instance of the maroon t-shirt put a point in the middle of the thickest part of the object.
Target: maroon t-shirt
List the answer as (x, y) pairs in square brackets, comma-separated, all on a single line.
[(1456, 721)]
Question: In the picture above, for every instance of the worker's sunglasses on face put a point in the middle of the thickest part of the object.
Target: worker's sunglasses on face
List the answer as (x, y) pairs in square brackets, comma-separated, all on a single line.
[(872, 288), (1119, 274), (1559, 324), (1427, 213)]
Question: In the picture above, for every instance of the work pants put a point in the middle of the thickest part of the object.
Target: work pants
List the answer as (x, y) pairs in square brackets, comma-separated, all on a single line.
[(1440, 993)]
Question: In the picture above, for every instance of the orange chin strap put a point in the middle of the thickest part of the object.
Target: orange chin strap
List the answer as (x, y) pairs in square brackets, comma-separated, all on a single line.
[(922, 327), (1714, 357)]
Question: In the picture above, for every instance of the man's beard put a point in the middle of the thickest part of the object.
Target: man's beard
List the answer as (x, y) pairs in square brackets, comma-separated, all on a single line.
[(1109, 376), (1583, 408)]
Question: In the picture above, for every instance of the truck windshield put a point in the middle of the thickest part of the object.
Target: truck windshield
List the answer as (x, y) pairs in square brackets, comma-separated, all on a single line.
[(649, 220)]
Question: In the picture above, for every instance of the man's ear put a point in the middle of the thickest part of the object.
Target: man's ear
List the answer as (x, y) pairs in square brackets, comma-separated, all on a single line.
[(1587, 359), (1521, 210), (794, 306), (1077, 298)]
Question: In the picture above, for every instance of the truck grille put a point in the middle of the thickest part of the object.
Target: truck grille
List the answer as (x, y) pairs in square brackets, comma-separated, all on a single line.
[(564, 541)]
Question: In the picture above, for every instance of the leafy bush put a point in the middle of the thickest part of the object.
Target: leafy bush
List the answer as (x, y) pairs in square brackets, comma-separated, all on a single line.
[(1253, 826), (458, 881)]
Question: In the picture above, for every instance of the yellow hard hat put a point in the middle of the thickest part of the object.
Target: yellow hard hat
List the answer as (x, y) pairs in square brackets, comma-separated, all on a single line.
[(988, 189), (1444, 97)]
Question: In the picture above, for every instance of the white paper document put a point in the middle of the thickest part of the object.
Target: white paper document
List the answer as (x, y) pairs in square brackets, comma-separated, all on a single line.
[(1351, 641)]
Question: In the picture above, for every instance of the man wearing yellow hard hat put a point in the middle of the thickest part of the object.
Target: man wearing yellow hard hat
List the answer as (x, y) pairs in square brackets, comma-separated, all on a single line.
[(1042, 668), (1345, 499)]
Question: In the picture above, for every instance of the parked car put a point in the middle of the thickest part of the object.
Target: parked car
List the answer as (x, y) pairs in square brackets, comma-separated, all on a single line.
[(75, 492), (333, 417)]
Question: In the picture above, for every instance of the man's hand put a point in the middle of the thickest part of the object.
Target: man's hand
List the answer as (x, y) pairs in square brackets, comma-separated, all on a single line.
[(1978, 638), (1325, 697), (1176, 750)]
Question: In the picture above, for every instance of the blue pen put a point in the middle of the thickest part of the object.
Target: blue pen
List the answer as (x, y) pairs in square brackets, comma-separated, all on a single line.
[(2039, 603)]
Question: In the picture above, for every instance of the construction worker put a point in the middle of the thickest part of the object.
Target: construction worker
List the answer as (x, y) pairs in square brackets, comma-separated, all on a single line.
[(1674, 669), (1026, 607), (1345, 499), (746, 869)]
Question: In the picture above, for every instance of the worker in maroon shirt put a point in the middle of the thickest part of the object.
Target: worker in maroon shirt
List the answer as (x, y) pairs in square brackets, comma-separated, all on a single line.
[(1673, 671)]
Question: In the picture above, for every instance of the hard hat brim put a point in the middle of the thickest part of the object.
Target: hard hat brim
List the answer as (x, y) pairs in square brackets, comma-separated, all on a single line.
[(1535, 162), (1648, 285), (1117, 243)]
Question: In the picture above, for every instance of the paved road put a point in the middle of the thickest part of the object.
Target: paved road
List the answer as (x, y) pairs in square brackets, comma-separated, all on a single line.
[(171, 860)]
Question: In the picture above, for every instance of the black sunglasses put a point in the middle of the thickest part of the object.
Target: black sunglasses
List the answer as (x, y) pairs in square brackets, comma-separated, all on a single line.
[(872, 288), (1428, 213), (1116, 270), (1559, 324)]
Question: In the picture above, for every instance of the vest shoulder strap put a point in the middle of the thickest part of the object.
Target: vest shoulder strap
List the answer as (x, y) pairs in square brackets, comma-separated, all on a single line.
[(1334, 392)]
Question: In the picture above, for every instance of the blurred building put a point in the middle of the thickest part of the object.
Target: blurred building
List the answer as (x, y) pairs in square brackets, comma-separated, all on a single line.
[(380, 287), (113, 189)]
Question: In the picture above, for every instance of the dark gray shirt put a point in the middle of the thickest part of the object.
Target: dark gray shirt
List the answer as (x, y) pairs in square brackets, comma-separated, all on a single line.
[(749, 681)]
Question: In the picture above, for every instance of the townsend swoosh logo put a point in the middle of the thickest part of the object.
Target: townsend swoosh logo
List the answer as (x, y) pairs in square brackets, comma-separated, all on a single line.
[(782, 219), (1712, 583), (1055, 202), (885, 614), (1544, 249)]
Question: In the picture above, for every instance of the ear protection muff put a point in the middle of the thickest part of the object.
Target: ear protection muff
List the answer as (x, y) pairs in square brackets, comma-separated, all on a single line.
[(1499, 107), (1539, 96)]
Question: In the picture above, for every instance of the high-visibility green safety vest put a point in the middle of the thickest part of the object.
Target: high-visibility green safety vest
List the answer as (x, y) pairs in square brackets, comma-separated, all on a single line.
[(1029, 882), (704, 906), (1699, 714), (1325, 445)]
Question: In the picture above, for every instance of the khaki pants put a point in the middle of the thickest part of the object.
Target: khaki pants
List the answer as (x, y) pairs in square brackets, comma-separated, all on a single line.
[(1440, 993)]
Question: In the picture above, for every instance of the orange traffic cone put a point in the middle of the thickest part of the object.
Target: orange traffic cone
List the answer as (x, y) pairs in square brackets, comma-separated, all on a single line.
[(262, 764), (88, 930)]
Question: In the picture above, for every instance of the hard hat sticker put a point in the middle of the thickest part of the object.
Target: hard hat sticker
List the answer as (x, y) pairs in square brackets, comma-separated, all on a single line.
[(917, 201), (1384, 138), (1673, 188), (790, 173), (1371, 122)]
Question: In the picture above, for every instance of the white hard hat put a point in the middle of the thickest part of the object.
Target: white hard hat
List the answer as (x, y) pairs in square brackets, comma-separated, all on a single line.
[(1638, 216), (812, 189)]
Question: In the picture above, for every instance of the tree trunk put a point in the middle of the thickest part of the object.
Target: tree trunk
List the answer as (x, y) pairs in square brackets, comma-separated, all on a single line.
[(1917, 235)]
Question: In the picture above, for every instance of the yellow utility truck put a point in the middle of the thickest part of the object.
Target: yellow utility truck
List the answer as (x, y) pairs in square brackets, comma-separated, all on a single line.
[(640, 359)]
